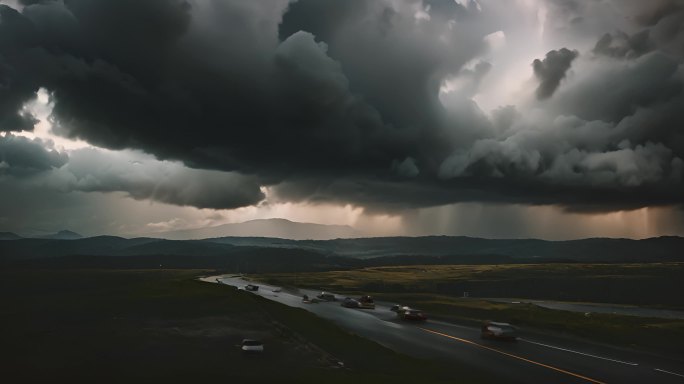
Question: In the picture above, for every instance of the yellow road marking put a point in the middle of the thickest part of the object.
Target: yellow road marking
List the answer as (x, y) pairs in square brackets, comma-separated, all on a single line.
[(514, 356)]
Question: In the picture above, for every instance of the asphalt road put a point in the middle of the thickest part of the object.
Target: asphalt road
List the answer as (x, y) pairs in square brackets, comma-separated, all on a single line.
[(626, 310), (531, 359)]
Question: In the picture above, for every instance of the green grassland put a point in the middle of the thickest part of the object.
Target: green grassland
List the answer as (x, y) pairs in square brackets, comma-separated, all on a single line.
[(438, 290), (152, 326), (653, 284)]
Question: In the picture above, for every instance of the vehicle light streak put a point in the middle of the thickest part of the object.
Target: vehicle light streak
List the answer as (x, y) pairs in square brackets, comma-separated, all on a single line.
[(515, 356), (664, 371), (579, 353)]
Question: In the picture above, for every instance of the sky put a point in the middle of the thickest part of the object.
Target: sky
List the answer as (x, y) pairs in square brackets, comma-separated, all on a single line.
[(554, 119)]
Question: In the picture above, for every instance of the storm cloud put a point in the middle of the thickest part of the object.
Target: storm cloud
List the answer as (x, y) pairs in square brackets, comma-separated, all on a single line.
[(551, 70), (339, 101), (20, 156), (142, 178), (34, 163)]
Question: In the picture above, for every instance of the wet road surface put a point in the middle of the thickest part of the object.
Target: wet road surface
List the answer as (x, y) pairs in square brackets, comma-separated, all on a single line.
[(533, 359)]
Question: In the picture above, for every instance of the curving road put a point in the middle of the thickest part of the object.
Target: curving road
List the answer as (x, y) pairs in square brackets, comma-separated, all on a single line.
[(538, 359)]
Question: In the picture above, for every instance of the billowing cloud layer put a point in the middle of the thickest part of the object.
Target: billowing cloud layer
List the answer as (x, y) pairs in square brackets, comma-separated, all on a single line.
[(33, 164), (20, 156), (345, 101)]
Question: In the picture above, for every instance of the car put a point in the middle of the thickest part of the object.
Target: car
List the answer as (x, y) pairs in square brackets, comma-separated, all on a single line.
[(251, 287), (366, 302), (398, 307), (325, 296), (252, 346), (497, 330), (348, 302), (307, 300), (412, 314)]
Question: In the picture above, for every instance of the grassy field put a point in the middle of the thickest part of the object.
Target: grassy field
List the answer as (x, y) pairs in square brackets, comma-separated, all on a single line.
[(153, 326), (654, 284), (438, 290)]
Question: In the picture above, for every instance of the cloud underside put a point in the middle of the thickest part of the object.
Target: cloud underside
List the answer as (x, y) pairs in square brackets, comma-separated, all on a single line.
[(29, 164), (339, 101)]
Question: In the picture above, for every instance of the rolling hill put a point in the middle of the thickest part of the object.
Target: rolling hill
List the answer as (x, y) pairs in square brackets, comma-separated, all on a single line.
[(373, 251), (276, 228), (9, 236)]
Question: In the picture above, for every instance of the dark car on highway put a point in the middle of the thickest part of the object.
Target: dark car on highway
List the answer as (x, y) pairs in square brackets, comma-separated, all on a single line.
[(348, 302), (251, 287), (497, 330), (325, 296), (366, 302), (412, 314)]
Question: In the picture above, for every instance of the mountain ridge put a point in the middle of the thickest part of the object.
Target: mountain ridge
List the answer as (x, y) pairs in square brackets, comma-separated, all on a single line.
[(270, 228), (9, 236), (62, 235), (431, 248)]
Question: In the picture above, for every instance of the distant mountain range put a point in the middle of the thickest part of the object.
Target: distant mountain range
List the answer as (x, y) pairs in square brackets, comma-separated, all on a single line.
[(225, 252), (9, 236), (276, 228), (61, 235), (594, 249)]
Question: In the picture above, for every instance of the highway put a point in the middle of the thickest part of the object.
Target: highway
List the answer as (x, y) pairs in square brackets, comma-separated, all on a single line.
[(531, 359)]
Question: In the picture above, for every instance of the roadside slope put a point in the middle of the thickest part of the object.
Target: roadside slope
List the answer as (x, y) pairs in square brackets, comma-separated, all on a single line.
[(115, 326)]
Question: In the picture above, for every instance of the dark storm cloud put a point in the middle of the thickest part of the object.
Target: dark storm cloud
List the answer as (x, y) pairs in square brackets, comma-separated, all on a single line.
[(15, 33), (551, 70), (662, 28), (396, 63), (622, 89), (652, 12), (448, 9), (20, 156), (141, 178), (609, 139), (254, 103), (339, 101), (622, 45), (34, 163), (246, 109)]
